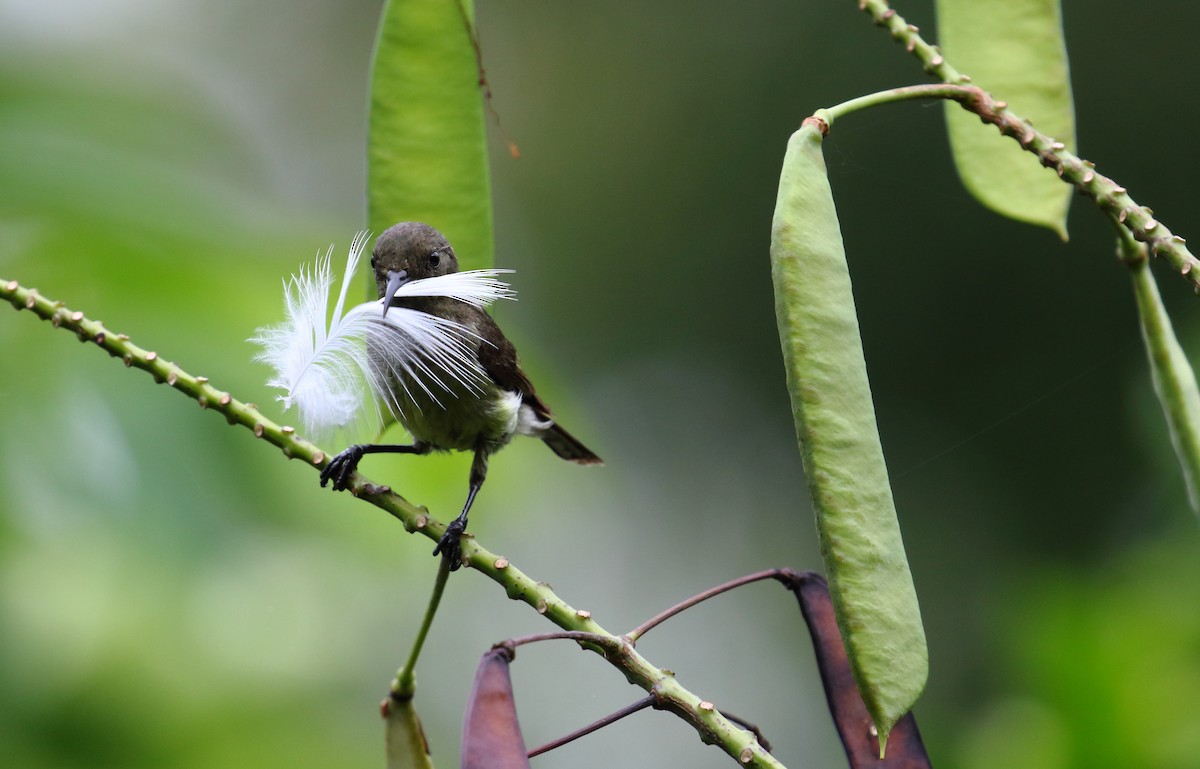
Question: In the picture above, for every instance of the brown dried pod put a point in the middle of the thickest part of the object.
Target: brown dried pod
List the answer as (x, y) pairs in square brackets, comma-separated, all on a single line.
[(904, 747), (491, 734)]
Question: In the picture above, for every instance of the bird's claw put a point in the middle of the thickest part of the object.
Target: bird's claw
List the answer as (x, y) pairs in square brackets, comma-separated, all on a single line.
[(449, 546), (341, 467)]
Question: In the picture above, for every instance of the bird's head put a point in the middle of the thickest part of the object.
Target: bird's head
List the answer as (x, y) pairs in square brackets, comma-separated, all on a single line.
[(406, 252)]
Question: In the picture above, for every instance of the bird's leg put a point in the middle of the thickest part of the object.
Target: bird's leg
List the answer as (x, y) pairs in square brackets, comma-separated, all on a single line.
[(448, 545), (342, 466)]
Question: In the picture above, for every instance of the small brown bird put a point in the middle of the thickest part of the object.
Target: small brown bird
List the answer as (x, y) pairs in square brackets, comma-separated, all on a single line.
[(477, 417)]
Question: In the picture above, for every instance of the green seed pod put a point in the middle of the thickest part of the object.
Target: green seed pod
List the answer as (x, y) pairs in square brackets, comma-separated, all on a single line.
[(407, 747), (1174, 380), (427, 148), (872, 589)]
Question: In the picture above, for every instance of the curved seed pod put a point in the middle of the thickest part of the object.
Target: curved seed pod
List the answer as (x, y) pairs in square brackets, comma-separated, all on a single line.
[(872, 589), (491, 735)]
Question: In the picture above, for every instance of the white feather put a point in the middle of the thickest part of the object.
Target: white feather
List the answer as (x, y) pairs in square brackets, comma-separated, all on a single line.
[(323, 366), (475, 287)]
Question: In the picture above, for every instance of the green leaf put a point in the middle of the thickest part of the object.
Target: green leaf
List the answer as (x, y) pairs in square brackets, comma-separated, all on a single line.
[(1014, 49), (427, 157), (872, 589)]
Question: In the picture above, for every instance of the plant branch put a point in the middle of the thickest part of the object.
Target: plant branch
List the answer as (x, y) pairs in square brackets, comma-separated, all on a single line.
[(784, 575), (662, 685), (903, 93), (605, 642), (600, 723), (195, 387), (405, 683), (1112, 198)]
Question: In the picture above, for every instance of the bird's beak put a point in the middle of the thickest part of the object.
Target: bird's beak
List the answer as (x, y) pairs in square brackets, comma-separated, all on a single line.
[(395, 281)]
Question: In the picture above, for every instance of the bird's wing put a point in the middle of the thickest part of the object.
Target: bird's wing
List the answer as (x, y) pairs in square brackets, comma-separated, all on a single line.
[(498, 358)]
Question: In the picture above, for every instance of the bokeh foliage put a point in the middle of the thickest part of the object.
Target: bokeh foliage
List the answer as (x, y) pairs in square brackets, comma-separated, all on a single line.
[(173, 594)]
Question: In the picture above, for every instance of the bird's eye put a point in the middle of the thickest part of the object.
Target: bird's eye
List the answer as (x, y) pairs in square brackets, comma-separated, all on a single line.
[(372, 261), (434, 258)]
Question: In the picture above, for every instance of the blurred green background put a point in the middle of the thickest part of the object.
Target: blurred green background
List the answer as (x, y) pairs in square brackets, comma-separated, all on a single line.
[(174, 594)]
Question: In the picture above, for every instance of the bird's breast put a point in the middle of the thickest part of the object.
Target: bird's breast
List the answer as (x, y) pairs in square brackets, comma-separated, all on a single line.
[(461, 420)]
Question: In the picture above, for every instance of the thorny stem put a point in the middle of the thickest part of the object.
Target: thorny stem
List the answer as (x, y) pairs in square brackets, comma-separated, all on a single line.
[(662, 685), (753, 727), (607, 644), (1112, 198), (195, 387)]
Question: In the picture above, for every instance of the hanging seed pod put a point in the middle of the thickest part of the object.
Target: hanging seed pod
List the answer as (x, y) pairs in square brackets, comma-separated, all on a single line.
[(427, 158), (491, 734), (872, 589), (407, 747), (1174, 380)]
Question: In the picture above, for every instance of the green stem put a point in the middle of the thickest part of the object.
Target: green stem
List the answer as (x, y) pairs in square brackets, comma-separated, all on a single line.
[(903, 93), (405, 683), (639, 631), (1129, 249), (668, 693), (1111, 197)]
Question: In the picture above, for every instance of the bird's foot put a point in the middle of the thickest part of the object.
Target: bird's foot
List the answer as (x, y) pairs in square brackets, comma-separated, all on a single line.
[(341, 467), (449, 546)]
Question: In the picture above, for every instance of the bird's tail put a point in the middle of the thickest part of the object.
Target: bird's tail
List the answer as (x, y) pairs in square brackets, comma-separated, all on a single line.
[(568, 446)]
